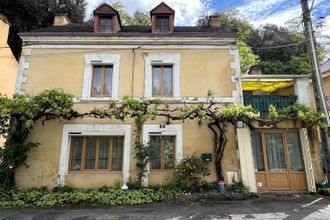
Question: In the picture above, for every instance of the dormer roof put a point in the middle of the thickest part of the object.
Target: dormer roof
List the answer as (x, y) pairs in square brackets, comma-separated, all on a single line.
[(106, 10), (162, 19), (162, 8)]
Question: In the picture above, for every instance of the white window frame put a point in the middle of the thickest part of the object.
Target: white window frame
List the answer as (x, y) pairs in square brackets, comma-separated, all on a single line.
[(95, 130), (162, 59), (168, 130), (100, 59)]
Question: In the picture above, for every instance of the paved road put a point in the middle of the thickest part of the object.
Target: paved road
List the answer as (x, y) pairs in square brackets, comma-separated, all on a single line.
[(266, 207)]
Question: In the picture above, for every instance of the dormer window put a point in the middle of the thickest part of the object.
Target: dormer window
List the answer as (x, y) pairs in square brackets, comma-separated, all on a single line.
[(106, 19), (162, 23), (162, 19), (105, 23)]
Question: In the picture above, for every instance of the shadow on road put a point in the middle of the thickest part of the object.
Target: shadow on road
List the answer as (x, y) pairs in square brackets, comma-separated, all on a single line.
[(266, 207)]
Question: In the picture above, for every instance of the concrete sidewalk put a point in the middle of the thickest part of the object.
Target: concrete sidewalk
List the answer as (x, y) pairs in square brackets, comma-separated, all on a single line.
[(266, 207)]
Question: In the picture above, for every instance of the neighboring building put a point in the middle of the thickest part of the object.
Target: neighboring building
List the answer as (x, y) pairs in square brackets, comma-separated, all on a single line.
[(176, 64), (8, 63), (325, 71)]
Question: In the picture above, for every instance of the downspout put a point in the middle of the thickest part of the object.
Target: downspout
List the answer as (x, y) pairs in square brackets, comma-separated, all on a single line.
[(133, 68)]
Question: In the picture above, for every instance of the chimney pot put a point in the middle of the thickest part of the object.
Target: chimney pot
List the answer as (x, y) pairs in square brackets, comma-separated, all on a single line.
[(61, 20), (214, 20)]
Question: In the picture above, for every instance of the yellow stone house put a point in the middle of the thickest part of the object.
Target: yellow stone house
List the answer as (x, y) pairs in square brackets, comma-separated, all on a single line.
[(106, 61), (8, 63)]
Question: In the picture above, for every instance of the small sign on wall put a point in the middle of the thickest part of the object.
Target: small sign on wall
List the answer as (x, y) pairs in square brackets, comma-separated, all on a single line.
[(259, 184)]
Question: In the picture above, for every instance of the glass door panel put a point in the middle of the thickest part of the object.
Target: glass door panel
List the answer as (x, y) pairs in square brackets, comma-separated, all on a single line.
[(292, 139), (258, 157), (275, 152)]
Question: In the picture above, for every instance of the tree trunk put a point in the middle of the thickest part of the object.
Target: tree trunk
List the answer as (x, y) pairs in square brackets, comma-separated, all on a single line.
[(220, 141)]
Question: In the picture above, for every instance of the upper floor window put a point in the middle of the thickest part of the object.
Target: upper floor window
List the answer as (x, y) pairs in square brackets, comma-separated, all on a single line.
[(90, 153), (102, 81), (162, 23), (162, 80), (163, 148), (106, 24)]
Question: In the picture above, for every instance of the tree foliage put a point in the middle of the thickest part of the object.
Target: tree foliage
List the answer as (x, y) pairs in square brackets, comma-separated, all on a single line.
[(139, 17), (26, 15), (18, 116), (233, 20)]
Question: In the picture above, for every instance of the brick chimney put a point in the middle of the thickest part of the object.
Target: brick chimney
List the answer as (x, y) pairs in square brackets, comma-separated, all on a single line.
[(214, 20), (61, 20)]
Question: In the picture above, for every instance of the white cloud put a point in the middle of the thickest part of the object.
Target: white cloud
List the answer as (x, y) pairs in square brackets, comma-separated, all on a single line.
[(186, 12), (277, 12)]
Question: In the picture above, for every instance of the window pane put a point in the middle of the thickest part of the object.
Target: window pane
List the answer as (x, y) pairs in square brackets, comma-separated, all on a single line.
[(117, 153), (156, 84), (90, 153), (103, 152), (294, 151), (76, 153), (257, 151), (168, 151), (97, 75), (168, 81), (107, 81), (158, 24), (105, 24), (162, 23), (275, 152), (155, 145)]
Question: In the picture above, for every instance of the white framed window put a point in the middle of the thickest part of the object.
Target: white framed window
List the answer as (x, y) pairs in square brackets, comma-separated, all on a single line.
[(95, 61), (152, 60), (173, 133), (71, 132)]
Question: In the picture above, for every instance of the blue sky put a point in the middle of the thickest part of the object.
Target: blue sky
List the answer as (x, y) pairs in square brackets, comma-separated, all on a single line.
[(258, 12)]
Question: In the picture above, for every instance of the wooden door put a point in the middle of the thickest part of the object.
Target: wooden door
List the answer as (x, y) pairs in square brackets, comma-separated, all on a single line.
[(278, 160)]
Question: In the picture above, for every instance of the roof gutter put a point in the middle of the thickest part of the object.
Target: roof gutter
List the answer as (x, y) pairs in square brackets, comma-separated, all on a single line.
[(60, 39)]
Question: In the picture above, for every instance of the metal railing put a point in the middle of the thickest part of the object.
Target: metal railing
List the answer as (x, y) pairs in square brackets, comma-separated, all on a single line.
[(261, 102)]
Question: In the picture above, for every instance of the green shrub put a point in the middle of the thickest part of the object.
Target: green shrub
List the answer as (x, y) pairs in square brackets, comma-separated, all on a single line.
[(239, 187), (103, 196), (63, 189), (187, 174)]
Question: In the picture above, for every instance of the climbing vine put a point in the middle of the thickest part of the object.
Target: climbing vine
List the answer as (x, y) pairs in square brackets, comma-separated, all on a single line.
[(17, 118), (19, 114), (141, 111)]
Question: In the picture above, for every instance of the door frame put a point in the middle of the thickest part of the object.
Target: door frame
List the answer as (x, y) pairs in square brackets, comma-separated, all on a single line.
[(289, 173)]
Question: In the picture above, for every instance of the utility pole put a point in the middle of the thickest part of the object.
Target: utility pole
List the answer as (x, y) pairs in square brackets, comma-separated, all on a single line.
[(317, 82)]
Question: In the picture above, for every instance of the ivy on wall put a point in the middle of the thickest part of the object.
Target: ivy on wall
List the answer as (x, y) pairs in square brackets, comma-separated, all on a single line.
[(19, 114), (17, 118)]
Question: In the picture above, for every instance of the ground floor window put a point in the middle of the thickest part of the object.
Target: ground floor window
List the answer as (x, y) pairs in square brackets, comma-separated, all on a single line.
[(96, 153), (163, 152)]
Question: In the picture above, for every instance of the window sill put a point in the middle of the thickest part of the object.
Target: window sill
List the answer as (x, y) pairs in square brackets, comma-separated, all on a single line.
[(94, 99), (93, 172)]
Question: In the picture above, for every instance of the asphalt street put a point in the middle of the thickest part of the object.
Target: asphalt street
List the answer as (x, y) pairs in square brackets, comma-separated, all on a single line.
[(265, 207)]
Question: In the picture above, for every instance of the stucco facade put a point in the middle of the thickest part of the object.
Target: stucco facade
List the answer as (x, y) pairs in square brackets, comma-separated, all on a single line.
[(8, 63), (201, 66)]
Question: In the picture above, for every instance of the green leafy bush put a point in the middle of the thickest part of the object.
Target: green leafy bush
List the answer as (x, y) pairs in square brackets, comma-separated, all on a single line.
[(103, 196), (239, 187), (187, 174)]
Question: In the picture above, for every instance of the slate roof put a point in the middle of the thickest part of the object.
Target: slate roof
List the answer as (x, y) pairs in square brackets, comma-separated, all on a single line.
[(131, 31), (325, 67)]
